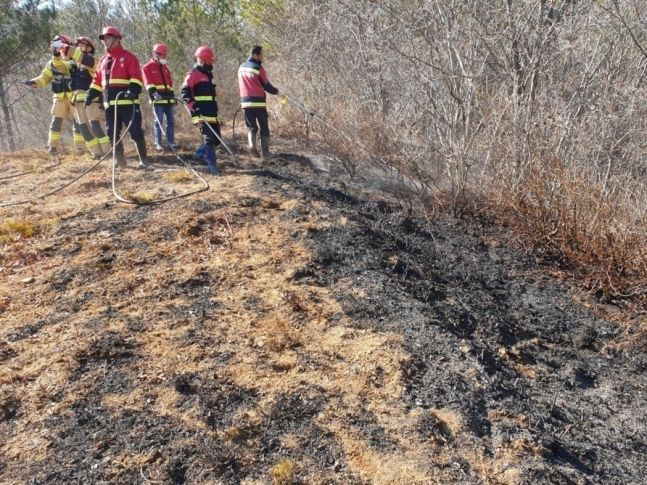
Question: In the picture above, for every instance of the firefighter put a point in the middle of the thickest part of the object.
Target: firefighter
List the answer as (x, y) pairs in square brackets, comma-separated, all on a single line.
[(199, 93), (119, 73), (253, 83), (56, 71), (159, 83), (82, 64)]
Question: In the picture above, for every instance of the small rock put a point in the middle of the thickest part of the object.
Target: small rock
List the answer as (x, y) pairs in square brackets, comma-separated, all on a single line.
[(31, 279)]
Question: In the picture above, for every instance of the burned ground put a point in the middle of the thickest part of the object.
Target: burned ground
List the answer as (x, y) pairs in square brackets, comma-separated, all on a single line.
[(297, 327)]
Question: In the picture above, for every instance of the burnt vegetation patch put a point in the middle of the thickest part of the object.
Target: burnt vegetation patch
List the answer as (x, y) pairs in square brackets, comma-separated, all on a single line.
[(483, 336), (495, 367)]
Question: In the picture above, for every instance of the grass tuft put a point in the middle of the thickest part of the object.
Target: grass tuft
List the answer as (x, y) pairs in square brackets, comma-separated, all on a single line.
[(19, 226), (141, 197), (179, 176), (283, 471)]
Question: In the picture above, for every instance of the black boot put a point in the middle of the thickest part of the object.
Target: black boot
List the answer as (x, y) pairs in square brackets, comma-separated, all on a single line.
[(251, 143), (119, 155), (141, 149), (265, 146)]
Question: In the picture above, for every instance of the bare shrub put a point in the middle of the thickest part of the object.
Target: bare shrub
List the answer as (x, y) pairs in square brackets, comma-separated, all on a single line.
[(530, 109)]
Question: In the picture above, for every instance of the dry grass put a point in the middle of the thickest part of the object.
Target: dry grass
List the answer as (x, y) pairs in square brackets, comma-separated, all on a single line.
[(283, 471), (251, 254), (180, 176), (598, 233), (23, 227), (139, 197)]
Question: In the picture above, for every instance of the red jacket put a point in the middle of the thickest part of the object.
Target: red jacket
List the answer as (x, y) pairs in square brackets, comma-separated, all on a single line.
[(253, 82), (158, 79), (199, 93), (118, 71)]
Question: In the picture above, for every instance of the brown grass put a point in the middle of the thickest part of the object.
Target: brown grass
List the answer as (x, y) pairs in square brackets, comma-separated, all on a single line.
[(283, 471), (140, 197), (594, 231), (179, 176), (23, 227)]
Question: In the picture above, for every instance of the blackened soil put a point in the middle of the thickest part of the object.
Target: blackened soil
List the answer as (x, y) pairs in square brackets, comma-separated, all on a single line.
[(490, 340), (488, 337)]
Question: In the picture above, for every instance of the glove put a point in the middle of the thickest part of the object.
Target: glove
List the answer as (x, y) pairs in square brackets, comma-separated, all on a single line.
[(157, 96), (57, 44)]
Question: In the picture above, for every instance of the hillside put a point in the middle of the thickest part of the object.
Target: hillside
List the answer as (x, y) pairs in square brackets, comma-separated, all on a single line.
[(292, 326)]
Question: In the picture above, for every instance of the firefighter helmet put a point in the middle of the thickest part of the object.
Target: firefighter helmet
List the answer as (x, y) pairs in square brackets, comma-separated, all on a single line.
[(87, 41), (110, 31), (63, 38), (160, 49), (205, 54)]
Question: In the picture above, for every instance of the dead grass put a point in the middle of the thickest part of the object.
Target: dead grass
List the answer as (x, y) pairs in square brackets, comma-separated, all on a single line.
[(283, 471), (140, 197), (179, 176), (291, 338), (23, 227), (600, 234)]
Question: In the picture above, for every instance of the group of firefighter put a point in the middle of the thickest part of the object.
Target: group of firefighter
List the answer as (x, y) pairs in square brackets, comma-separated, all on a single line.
[(108, 89)]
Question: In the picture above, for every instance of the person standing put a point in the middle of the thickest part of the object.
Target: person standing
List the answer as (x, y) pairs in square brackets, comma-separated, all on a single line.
[(159, 84), (82, 63), (199, 93), (119, 78), (253, 83), (57, 72)]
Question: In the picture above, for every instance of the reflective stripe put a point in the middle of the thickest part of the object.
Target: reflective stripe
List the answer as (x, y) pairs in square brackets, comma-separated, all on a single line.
[(121, 82), (54, 135), (62, 95), (253, 104), (249, 70), (201, 118), (97, 87), (162, 87), (81, 95), (92, 143), (78, 137), (204, 98), (164, 101), (104, 140), (123, 101)]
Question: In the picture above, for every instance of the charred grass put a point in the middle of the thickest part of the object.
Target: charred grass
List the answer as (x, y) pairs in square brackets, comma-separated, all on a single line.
[(285, 329)]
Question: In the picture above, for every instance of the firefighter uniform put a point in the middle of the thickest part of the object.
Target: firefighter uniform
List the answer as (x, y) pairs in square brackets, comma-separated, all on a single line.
[(253, 83), (159, 84), (119, 72), (199, 93), (87, 119), (57, 72)]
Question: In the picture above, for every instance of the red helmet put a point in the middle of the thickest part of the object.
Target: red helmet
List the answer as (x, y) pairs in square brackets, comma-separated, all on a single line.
[(205, 54), (86, 41), (160, 49), (110, 31)]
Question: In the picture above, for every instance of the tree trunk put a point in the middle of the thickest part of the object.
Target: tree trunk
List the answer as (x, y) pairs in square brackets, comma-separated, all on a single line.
[(7, 117)]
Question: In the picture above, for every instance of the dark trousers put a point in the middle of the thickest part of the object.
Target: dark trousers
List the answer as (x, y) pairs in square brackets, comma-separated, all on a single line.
[(124, 113), (207, 133), (256, 118), (207, 149)]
